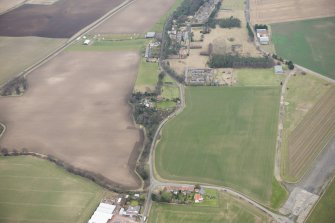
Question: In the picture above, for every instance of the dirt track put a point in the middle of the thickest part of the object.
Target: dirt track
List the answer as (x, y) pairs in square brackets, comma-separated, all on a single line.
[(76, 109), (60, 20), (139, 17), (276, 11)]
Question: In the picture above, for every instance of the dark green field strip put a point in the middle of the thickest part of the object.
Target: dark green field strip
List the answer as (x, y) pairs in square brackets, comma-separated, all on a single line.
[(224, 136), (312, 134), (309, 43), (325, 210)]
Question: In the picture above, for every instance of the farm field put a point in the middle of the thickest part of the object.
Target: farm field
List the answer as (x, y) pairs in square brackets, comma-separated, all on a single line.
[(274, 11), (60, 20), (69, 104), (299, 100), (158, 27), (324, 211), (147, 77), (300, 42), (224, 136), (311, 135), (132, 18), (257, 77), (6, 5), (35, 190), (229, 210), (18, 53), (233, 4)]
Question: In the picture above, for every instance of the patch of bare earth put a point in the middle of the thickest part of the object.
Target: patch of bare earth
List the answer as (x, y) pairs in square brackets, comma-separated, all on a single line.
[(312, 135), (76, 109), (6, 5), (138, 17), (276, 11)]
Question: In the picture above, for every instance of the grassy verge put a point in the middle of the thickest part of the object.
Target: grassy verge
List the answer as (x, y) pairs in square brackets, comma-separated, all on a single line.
[(224, 136), (308, 43), (35, 190), (324, 211), (229, 209), (257, 77), (147, 77), (110, 45), (279, 194)]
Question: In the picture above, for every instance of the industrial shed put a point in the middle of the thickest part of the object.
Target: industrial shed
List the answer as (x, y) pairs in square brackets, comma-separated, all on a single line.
[(103, 213)]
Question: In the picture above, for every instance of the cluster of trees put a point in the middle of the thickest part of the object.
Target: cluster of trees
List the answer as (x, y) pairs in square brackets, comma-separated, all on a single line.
[(230, 22), (289, 64), (172, 73), (150, 119), (211, 20), (261, 26), (178, 198), (187, 8), (235, 61), (250, 32), (14, 87), (160, 83)]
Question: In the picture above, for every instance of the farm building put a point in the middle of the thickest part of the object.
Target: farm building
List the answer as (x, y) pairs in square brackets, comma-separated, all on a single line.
[(278, 69), (204, 12), (198, 198), (103, 213), (133, 211), (87, 41), (263, 36), (150, 35)]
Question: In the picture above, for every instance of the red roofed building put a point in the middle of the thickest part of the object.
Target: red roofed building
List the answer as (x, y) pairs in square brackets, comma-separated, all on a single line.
[(198, 198)]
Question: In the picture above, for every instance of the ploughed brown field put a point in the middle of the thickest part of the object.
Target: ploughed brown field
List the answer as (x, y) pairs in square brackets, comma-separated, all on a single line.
[(276, 11), (62, 19), (311, 135), (76, 109), (138, 17)]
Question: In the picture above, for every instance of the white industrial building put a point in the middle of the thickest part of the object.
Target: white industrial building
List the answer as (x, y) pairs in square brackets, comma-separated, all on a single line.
[(263, 36), (103, 213)]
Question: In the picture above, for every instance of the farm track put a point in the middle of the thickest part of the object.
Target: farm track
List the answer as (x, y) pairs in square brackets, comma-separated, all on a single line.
[(311, 135)]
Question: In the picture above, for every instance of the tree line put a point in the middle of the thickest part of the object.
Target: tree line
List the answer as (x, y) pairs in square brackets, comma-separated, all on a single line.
[(235, 61), (230, 22)]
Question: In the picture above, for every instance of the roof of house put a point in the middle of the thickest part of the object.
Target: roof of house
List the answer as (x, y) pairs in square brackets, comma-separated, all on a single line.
[(150, 35), (198, 197)]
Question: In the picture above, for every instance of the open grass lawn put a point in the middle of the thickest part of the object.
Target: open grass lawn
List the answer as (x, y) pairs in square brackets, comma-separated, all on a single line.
[(257, 77), (224, 136), (170, 91), (309, 43), (35, 190), (228, 210), (325, 210), (147, 77)]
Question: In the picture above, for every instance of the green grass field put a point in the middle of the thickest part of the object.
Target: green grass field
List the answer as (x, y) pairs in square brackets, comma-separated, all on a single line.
[(309, 43), (147, 77), (224, 136), (35, 190), (229, 210), (110, 45), (257, 77), (325, 210), (304, 91)]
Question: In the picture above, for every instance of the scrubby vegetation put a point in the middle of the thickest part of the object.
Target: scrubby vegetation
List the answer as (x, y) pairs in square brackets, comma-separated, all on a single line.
[(14, 87), (211, 20), (235, 61), (250, 32), (261, 26), (230, 22)]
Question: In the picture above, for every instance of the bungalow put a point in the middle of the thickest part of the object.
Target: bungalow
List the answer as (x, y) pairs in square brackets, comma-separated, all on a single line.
[(198, 198)]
